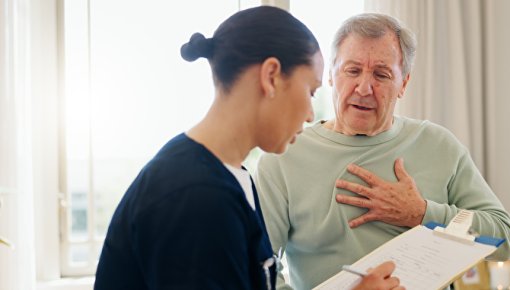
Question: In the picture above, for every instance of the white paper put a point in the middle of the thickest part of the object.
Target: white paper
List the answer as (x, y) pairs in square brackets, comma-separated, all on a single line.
[(424, 260)]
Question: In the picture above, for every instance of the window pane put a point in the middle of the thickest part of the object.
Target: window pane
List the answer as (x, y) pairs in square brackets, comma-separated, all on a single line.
[(79, 216), (77, 119), (79, 254)]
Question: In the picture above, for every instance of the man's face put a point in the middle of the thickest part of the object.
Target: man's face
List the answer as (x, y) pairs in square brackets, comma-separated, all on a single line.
[(367, 80)]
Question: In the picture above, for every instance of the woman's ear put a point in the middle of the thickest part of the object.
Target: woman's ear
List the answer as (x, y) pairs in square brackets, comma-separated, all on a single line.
[(270, 73)]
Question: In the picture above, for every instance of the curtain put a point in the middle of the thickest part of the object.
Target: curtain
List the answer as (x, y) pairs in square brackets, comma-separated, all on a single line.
[(17, 265)]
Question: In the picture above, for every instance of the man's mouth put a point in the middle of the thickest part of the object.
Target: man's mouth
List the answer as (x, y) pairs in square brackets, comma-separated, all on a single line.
[(362, 108)]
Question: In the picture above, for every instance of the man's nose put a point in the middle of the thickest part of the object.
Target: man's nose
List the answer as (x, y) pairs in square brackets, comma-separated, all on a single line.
[(310, 116), (364, 86)]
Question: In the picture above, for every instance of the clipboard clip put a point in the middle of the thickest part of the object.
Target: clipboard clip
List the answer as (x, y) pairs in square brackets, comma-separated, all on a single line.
[(458, 228)]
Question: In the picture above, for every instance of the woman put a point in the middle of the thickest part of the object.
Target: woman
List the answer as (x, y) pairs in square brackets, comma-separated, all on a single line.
[(191, 219)]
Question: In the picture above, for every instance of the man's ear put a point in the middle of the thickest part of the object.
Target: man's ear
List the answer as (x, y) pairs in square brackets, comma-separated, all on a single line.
[(270, 73), (404, 86)]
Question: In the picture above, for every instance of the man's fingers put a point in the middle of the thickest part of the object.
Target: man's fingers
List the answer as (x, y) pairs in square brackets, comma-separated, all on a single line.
[(356, 201), (400, 171), (367, 176), (362, 219), (353, 187)]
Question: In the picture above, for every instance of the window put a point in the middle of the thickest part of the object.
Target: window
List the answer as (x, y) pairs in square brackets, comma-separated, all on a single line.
[(127, 93)]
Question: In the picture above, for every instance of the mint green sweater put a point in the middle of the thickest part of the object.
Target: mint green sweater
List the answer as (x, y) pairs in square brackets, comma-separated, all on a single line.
[(297, 194)]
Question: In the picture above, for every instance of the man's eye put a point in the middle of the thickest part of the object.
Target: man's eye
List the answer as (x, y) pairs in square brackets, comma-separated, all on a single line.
[(352, 72), (382, 76)]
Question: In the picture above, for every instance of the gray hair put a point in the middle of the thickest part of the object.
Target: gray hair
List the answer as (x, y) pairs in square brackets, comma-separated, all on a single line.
[(375, 25)]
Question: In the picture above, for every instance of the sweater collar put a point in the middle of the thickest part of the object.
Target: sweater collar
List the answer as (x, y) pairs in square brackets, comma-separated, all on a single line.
[(359, 140)]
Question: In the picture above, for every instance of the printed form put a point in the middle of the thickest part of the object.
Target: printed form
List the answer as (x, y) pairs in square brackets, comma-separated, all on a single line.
[(424, 260)]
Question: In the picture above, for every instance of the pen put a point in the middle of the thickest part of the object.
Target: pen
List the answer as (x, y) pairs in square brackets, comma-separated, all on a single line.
[(352, 270), (6, 242)]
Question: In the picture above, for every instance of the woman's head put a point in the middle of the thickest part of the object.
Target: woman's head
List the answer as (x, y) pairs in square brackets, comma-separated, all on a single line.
[(250, 37), (270, 62)]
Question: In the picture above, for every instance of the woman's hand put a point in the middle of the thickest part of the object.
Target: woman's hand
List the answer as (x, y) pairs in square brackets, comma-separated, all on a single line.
[(380, 278)]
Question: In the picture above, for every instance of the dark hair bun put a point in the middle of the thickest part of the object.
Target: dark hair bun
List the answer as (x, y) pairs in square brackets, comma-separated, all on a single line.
[(198, 46)]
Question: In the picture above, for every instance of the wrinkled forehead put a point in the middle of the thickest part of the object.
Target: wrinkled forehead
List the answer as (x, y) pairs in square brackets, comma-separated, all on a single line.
[(384, 49)]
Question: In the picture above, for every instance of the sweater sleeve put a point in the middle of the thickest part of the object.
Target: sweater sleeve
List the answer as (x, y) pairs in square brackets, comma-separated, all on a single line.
[(196, 240), (467, 189), (274, 204)]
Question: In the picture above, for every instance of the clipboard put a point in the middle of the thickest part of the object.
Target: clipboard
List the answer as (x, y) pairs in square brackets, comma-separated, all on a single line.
[(427, 257)]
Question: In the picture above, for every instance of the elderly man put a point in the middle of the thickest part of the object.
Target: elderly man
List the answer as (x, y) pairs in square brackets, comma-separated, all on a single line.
[(350, 184)]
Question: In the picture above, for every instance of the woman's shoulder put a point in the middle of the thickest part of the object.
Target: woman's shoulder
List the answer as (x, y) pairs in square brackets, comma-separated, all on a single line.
[(182, 169)]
